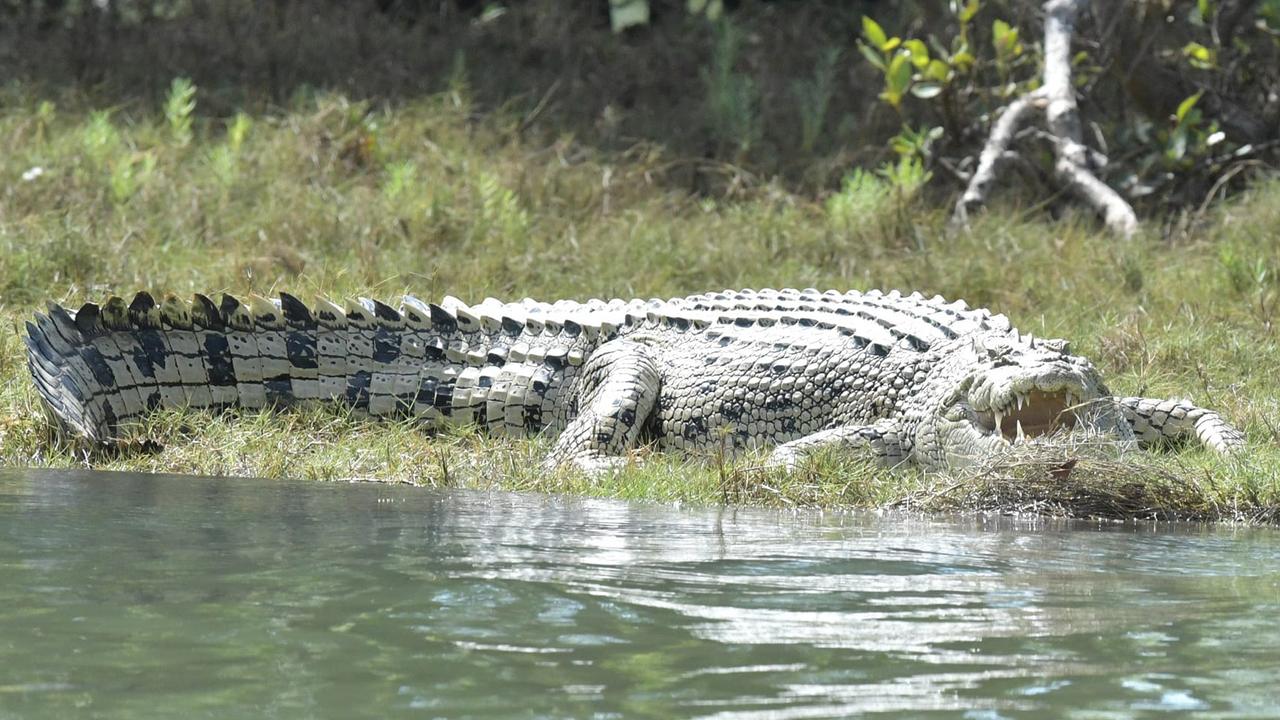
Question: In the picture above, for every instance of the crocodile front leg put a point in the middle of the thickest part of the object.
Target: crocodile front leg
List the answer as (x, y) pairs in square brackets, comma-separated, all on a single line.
[(883, 438), (618, 388), (1157, 421)]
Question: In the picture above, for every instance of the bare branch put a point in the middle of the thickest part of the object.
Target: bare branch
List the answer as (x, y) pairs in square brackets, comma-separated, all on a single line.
[(996, 149), (1057, 98)]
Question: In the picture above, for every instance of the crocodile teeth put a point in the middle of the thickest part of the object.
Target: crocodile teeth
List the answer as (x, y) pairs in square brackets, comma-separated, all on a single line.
[(1021, 435), (999, 419), (1020, 401)]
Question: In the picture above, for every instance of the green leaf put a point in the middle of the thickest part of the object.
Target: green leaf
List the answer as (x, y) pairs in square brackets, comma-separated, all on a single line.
[(898, 77), (1177, 146), (1006, 38), (1200, 57), (926, 90), (871, 55), (937, 71), (970, 9), (628, 13), (1198, 51), (962, 60), (874, 34), (1185, 106), (891, 44), (999, 29), (919, 53)]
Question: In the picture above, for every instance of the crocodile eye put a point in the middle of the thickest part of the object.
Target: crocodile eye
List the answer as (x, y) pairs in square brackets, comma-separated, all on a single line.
[(996, 348), (1057, 345)]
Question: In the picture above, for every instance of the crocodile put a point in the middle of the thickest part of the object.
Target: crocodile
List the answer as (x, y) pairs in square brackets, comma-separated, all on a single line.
[(904, 377)]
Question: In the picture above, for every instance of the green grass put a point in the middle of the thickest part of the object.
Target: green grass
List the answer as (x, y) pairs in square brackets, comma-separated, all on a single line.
[(340, 198)]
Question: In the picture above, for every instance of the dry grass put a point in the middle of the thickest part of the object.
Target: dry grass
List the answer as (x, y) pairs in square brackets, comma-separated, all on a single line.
[(1092, 484)]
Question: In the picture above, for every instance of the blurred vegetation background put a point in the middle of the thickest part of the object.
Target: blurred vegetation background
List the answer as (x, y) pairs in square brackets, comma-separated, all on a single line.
[(1181, 97)]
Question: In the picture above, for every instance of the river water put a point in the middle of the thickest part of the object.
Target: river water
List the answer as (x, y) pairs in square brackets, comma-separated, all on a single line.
[(135, 596)]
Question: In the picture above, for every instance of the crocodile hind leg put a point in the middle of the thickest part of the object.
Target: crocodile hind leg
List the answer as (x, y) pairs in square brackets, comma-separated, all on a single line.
[(617, 390), (883, 439), (1157, 421)]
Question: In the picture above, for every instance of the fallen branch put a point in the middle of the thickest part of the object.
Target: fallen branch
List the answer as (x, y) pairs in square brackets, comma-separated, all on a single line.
[(996, 149), (1056, 97)]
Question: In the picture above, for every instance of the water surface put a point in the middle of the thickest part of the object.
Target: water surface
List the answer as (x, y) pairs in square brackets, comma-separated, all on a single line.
[(131, 596)]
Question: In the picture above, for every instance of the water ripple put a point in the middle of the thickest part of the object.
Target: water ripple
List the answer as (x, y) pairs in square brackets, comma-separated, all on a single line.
[(145, 595)]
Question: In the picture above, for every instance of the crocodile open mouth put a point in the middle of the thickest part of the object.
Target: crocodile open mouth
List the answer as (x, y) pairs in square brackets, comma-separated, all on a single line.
[(1029, 414)]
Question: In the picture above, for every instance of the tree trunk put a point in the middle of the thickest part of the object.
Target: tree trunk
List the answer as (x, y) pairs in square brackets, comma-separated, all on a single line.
[(1056, 97)]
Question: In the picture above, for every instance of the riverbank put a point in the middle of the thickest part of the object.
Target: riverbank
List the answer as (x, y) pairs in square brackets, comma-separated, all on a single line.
[(432, 197)]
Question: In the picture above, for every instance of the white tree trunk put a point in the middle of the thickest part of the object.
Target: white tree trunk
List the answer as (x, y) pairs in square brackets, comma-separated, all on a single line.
[(1056, 97)]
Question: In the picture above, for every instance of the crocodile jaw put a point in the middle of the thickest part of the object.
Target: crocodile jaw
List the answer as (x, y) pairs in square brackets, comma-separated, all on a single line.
[(976, 428), (1028, 414), (1019, 393)]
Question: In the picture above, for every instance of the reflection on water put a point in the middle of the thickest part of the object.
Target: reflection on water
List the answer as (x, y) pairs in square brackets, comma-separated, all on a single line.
[(139, 595)]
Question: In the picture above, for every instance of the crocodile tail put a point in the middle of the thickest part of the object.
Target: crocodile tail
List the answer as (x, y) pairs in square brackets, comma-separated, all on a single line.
[(101, 367)]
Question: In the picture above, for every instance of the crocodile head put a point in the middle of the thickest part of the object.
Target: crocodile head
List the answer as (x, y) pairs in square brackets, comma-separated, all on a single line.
[(996, 389)]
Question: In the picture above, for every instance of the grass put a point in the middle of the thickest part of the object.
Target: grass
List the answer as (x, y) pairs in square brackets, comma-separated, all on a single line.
[(339, 197), (561, 64)]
